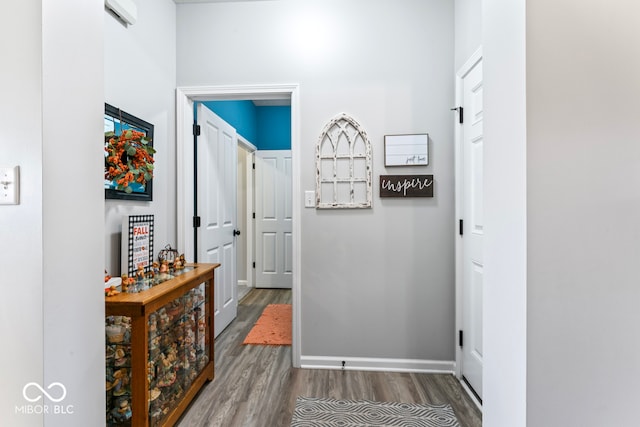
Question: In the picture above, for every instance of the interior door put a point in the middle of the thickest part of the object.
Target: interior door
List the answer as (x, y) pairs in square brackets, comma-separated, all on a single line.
[(273, 219), (216, 206), (473, 229)]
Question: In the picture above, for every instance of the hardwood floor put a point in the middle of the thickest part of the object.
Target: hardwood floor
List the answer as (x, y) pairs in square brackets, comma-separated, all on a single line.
[(255, 386)]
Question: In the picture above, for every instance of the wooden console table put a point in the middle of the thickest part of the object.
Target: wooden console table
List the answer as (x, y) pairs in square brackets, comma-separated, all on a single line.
[(159, 348)]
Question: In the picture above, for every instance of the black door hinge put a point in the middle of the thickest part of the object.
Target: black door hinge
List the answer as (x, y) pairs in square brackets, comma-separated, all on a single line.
[(254, 165), (196, 129), (196, 221), (254, 264), (461, 227), (460, 111), (460, 341), (254, 215)]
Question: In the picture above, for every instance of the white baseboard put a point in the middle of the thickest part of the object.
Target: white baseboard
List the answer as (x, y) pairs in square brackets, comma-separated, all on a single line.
[(471, 394), (377, 364), (243, 283)]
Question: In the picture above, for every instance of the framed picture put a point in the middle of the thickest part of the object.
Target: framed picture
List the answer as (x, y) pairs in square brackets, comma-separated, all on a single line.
[(406, 150), (137, 243), (128, 156)]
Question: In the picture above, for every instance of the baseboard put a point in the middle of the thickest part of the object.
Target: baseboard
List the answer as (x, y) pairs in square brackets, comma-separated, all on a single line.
[(243, 283), (377, 364), (471, 394)]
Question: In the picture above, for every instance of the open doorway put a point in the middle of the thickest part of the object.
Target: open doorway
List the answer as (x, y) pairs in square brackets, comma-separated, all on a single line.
[(185, 99), (252, 246)]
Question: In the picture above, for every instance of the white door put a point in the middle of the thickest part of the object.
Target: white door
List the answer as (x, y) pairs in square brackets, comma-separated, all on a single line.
[(473, 227), (216, 206), (273, 219)]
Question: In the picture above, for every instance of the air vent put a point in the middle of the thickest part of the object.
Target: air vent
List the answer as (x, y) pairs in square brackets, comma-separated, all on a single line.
[(125, 10)]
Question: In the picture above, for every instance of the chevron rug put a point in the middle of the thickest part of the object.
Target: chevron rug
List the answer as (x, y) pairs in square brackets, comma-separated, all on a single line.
[(318, 412)]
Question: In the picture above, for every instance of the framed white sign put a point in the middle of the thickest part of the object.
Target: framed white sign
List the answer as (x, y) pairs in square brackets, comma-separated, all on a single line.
[(137, 243), (406, 150)]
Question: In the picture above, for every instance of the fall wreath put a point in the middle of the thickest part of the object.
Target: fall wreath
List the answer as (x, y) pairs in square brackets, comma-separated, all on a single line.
[(129, 159)]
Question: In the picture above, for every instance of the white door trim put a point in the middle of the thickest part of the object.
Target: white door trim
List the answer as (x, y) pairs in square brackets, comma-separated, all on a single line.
[(246, 144), (459, 168), (185, 97), (248, 226)]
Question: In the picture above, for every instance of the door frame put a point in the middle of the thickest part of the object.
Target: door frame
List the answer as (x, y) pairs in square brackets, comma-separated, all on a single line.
[(185, 98), (248, 225), (459, 210)]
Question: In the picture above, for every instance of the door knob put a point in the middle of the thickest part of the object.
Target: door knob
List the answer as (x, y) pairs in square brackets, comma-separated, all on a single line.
[(236, 232)]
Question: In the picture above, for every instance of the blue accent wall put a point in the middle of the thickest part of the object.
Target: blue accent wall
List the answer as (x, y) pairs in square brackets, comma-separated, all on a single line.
[(242, 115), (268, 128), (274, 128)]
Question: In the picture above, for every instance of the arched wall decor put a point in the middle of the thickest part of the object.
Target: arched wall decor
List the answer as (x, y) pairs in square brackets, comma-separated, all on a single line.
[(343, 165)]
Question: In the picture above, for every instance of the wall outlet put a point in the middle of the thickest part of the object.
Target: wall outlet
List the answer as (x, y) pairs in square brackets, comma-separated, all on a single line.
[(9, 185), (309, 199)]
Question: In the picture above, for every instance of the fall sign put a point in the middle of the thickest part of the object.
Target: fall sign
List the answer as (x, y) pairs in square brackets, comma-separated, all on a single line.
[(137, 243), (141, 245)]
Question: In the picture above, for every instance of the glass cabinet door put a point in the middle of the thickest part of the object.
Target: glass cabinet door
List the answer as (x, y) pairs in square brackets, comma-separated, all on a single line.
[(177, 351)]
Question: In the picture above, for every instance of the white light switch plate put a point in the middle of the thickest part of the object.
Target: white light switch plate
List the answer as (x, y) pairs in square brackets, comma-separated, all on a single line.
[(10, 185), (310, 199)]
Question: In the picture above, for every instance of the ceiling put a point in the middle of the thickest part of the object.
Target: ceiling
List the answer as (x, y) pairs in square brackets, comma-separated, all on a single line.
[(209, 1)]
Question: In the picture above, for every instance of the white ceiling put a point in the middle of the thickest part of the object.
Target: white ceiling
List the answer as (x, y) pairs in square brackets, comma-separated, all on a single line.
[(209, 1)]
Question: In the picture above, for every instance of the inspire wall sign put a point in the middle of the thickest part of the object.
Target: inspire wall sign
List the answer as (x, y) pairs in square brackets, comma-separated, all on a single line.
[(406, 185)]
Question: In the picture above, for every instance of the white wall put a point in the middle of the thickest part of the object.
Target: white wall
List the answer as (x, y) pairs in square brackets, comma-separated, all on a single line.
[(140, 78), (505, 198), (21, 231), (72, 206), (368, 276), (562, 198), (52, 298), (583, 157)]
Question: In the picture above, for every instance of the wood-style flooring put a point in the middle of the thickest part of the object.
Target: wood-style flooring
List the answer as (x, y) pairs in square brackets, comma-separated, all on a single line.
[(255, 386)]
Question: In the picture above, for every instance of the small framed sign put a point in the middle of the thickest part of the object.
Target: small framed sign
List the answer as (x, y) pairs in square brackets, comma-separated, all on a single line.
[(137, 243), (406, 150), (406, 185)]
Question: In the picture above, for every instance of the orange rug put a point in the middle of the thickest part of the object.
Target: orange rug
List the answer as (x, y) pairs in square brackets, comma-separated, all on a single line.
[(273, 327)]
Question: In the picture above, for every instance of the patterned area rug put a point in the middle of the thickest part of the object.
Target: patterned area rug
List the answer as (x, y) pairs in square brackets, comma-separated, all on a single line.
[(317, 412), (273, 327)]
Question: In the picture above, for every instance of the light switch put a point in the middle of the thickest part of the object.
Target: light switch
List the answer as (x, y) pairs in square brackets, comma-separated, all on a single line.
[(9, 185), (310, 199)]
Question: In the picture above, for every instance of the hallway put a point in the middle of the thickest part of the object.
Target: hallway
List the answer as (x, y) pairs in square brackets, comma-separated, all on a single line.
[(255, 386)]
